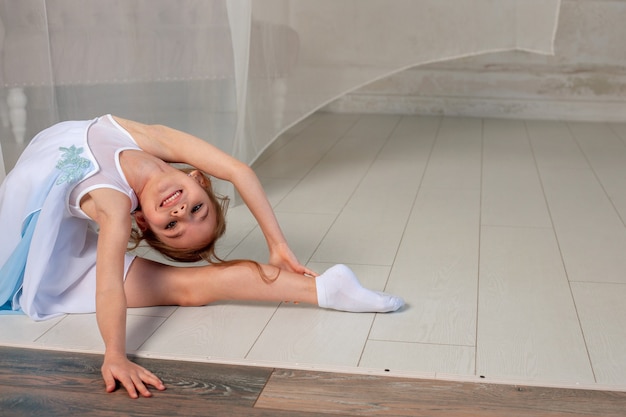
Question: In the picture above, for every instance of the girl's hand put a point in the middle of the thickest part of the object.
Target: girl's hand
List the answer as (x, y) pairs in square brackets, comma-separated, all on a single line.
[(132, 376), (282, 257)]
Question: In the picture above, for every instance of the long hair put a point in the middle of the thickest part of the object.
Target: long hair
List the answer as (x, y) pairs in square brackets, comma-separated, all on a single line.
[(206, 252)]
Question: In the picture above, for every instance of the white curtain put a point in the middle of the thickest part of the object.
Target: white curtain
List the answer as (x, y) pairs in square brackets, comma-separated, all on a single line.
[(234, 72)]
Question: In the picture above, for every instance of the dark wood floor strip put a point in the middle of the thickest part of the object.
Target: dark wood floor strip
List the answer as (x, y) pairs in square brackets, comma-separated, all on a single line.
[(367, 395), (51, 383), (15, 402), (71, 371)]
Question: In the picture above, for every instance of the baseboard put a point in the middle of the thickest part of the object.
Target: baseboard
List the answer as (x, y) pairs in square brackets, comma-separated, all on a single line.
[(513, 108)]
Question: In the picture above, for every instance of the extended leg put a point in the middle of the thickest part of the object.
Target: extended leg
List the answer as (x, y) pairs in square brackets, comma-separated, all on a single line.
[(150, 283)]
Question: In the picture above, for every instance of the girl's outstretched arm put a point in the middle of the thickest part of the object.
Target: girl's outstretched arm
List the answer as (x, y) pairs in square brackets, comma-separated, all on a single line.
[(110, 209), (172, 145)]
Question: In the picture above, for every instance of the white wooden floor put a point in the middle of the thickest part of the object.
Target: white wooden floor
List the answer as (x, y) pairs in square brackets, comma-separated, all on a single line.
[(505, 237)]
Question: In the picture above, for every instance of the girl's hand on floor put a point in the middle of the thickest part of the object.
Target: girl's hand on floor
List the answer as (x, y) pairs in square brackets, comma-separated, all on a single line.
[(282, 257), (132, 376)]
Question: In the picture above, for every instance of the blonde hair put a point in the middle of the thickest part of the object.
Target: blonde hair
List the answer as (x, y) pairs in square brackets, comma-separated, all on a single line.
[(203, 253)]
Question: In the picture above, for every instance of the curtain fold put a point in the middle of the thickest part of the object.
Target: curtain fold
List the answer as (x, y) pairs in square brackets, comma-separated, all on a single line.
[(234, 72)]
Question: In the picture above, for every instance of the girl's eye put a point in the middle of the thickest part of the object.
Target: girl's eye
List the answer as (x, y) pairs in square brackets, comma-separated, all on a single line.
[(170, 225), (196, 208)]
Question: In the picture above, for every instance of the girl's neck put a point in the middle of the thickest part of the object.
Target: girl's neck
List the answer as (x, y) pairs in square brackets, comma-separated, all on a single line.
[(139, 167)]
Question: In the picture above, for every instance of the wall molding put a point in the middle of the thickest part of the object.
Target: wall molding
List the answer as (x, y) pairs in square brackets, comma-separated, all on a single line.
[(484, 107)]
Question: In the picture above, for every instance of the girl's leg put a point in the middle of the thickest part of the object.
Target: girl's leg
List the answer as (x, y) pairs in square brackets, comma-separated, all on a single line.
[(150, 283)]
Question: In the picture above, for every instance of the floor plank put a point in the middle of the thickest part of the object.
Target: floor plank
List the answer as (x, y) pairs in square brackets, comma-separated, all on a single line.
[(603, 319), (368, 395), (16, 402), (522, 281), (52, 383)]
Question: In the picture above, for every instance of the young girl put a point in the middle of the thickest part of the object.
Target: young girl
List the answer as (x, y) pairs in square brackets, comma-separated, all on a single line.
[(67, 203)]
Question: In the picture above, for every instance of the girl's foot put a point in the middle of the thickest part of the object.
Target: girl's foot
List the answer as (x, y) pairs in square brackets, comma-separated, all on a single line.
[(339, 289)]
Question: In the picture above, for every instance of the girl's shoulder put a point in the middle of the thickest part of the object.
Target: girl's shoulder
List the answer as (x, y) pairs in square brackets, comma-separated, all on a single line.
[(106, 204)]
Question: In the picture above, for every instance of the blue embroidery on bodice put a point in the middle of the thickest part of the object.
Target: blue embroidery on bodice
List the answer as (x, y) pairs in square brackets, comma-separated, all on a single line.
[(72, 165)]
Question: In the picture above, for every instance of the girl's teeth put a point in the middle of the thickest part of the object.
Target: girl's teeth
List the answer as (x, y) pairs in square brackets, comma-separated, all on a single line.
[(170, 198)]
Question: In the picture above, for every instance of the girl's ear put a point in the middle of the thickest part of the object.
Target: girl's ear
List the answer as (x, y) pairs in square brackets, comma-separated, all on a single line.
[(199, 177), (141, 221)]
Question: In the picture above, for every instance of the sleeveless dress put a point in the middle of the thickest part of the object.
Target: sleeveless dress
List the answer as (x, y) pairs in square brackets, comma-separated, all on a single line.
[(48, 246)]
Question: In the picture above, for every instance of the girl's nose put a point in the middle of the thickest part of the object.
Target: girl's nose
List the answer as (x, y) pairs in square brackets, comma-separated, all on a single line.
[(179, 210)]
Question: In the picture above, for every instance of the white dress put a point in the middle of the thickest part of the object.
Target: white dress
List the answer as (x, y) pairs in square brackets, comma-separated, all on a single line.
[(48, 246)]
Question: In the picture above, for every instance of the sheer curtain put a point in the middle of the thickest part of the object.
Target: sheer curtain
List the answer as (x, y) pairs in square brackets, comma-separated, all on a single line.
[(234, 72)]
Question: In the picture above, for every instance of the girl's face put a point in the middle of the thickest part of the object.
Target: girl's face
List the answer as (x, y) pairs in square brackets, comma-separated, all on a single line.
[(176, 207)]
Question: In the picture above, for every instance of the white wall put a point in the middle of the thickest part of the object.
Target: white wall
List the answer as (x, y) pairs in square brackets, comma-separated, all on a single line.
[(584, 80)]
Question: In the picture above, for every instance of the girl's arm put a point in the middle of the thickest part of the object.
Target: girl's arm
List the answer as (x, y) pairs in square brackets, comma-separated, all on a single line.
[(110, 209), (172, 145)]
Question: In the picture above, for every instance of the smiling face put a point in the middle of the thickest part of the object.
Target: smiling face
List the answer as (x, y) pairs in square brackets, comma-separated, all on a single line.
[(177, 209)]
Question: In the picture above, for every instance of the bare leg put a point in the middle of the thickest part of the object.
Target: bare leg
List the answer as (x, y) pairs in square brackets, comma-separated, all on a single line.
[(150, 283)]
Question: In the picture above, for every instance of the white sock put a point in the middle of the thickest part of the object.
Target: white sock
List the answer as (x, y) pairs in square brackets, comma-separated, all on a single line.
[(339, 289)]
